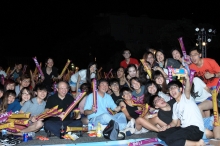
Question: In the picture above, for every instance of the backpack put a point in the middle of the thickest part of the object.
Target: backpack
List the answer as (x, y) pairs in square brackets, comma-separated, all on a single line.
[(111, 131)]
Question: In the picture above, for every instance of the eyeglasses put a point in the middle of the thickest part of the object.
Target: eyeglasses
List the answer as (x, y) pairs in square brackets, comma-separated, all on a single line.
[(26, 81)]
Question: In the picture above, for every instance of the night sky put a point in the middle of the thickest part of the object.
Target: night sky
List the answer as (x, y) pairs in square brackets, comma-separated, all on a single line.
[(36, 28)]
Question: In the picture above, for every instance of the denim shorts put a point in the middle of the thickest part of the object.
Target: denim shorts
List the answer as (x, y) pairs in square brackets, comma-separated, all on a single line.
[(210, 98), (208, 124)]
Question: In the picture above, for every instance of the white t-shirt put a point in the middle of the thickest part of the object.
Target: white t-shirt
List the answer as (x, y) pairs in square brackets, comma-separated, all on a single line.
[(188, 112), (164, 96), (199, 89), (82, 74)]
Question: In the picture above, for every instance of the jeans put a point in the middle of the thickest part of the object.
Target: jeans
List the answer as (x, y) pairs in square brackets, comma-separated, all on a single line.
[(104, 119), (54, 126)]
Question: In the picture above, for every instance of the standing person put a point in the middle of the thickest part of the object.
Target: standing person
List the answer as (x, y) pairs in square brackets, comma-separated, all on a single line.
[(122, 79), (192, 125), (128, 60), (63, 100), (50, 73), (16, 72), (104, 101), (206, 69), (83, 76)]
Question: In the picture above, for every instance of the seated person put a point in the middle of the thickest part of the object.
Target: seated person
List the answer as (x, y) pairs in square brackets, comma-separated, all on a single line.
[(63, 100), (35, 106), (114, 86), (104, 101), (9, 102), (1, 92)]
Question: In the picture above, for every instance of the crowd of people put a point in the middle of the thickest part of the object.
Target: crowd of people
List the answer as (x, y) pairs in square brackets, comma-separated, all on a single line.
[(180, 112)]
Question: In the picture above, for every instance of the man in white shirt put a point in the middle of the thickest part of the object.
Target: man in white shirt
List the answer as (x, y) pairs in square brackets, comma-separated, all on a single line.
[(185, 109)]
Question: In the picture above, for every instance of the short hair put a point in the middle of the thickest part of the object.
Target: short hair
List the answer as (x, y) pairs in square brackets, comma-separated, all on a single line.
[(126, 50), (102, 80), (125, 89), (113, 80), (195, 49), (151, 100), (175, 83), (25, 76), (40, 86)]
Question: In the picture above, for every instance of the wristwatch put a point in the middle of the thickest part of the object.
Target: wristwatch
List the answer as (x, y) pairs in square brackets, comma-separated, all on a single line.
[(214, 76)]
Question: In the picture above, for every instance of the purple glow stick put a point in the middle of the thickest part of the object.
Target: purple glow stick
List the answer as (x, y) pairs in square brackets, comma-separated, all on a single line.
[(2, 79), (169, 73), (143, 142), (183, 48), (218, 86), (192, 73), (38, 66)]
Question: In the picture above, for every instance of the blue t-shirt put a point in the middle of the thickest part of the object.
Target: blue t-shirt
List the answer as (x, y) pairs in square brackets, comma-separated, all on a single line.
[(102, 104), (14, 106)]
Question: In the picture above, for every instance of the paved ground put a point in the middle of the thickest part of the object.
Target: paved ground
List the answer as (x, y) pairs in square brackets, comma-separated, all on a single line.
[(84, 139)]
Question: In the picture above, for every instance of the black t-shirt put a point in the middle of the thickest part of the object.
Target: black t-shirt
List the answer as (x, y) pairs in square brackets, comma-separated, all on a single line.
[(117, 99), (48, 81), (166, 116), (172, 62), (131, 110), (62, 104)]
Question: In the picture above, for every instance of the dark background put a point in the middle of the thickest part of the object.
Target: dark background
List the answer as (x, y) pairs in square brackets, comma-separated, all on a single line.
[(44, 28)]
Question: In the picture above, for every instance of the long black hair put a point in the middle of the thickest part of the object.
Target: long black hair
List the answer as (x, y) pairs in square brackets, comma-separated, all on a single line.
[(88, 74)]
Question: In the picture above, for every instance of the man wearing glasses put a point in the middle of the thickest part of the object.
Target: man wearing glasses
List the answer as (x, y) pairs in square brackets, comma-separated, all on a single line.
[(63, 100)]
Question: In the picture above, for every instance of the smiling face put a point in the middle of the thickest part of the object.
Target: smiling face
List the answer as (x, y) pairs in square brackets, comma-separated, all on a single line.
[(159, 80), (175, 91), (62, 89), (152, 89), (160, 56), (41, 94), (11, 99), (126, 95), (120, 73), (25, 95), (25, 83), (114, 87), (10, 86), (159, 102), (49, 63), (135, 84), (132, 72), (150, 58), (195, 57), (92, 68), (176, 55), (103, 87)]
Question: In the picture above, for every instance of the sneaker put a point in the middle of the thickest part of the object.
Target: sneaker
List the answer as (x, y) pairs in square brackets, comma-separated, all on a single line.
[(48, 133), (144, 130), (137, 132)]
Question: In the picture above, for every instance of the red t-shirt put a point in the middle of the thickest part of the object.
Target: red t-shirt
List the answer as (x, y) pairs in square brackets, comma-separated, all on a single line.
[(132, 61), (209, 65)]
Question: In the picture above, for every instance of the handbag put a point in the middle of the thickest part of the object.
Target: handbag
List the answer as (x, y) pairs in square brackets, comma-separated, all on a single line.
[(111, 131)]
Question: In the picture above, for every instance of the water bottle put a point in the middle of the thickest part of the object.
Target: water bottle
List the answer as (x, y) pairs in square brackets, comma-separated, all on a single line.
[(4, 132), (62, 132), (90, 127), (31, 135), (98, 130)]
